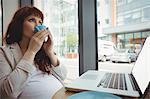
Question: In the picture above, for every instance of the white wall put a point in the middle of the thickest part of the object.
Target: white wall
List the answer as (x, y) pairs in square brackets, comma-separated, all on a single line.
[(9, 8)]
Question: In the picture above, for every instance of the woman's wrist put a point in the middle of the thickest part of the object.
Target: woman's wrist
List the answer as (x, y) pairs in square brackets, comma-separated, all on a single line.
[(52, 55), (29, 56), (50, 52)]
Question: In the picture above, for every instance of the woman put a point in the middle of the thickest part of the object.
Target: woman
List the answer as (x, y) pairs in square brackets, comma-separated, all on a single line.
[(29, 68)]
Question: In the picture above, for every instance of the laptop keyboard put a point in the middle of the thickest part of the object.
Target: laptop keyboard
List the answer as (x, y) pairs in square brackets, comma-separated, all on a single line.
[(113, 80)]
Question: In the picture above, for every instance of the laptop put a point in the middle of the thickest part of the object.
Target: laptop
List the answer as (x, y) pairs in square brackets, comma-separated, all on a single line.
[(133, 85)]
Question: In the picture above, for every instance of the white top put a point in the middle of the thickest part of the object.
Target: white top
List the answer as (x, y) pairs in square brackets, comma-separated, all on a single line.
[(40, 86)]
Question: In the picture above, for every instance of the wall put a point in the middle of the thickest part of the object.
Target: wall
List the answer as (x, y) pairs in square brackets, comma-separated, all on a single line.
[(9, 8)]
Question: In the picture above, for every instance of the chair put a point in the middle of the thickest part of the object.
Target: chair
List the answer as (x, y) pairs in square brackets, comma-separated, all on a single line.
[(93, 95)]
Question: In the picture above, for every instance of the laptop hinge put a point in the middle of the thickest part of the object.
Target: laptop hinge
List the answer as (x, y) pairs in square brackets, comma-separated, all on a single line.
[(136, 86)]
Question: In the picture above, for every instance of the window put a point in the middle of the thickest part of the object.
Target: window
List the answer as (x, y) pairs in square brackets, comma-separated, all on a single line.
[(121, 2), (145, 34), (107, 21), (120, 20), (122, 29), (146, 15), (128, 39), (61, 16), (137, 35), (107, 1), (136, 15), (129, 1)]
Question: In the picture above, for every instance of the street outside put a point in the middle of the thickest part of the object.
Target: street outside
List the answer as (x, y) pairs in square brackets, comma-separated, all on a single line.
[(72, 66)]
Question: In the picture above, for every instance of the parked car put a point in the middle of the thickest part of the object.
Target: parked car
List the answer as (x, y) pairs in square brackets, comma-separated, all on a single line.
[(124, 55), (105, 50)]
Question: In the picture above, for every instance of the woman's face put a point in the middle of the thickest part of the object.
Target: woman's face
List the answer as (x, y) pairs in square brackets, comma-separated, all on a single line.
[(29, 24)]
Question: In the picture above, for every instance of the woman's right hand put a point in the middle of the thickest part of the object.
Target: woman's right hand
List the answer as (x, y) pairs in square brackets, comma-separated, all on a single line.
[(35, 44), (36, 41)]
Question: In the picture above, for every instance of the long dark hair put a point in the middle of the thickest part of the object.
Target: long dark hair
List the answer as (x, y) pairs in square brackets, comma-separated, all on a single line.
[(15, 30)]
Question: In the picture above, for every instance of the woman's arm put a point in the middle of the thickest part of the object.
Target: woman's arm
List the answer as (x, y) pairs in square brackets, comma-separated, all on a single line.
[(12, 81), (52, 56)]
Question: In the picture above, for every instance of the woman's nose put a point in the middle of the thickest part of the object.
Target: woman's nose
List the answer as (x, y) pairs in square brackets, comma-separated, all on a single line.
[(37, 23)]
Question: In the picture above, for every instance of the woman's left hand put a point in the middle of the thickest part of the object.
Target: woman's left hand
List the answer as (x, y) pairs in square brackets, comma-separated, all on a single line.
[(48, 45)]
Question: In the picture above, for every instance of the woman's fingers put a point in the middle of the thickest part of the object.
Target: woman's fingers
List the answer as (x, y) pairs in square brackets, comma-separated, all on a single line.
[(41, 35), (44, 36), (50, 35)]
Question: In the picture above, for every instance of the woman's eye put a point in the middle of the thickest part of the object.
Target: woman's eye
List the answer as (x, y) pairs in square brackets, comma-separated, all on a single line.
[(32, 20)]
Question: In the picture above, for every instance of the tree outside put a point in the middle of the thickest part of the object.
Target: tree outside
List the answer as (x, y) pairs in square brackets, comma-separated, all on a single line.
[(71, 41)]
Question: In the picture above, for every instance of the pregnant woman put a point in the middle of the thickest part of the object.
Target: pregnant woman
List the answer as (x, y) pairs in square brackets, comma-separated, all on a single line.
[(29, 67)]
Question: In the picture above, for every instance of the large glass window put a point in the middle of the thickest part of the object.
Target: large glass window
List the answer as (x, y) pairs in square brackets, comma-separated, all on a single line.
[(61, 16), (119, 25)]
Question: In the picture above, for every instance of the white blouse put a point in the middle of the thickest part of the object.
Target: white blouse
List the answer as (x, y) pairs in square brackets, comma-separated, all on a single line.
[(40, 86)]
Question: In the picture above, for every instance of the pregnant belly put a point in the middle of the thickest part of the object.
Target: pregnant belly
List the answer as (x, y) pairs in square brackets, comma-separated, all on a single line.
[(41, 87)]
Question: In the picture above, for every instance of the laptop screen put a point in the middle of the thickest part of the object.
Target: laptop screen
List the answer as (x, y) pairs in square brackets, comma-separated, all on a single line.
[(141, 70)]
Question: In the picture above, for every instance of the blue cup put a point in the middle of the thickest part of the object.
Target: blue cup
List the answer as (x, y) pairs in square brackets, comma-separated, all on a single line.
[(40, 27)]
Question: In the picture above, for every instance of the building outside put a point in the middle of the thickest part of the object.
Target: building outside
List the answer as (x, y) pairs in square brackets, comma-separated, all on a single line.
[(124, 22)]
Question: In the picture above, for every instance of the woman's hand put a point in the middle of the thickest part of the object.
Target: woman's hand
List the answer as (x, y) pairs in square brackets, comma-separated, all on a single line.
[(35, 44), (36, 41), (48, 45)]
